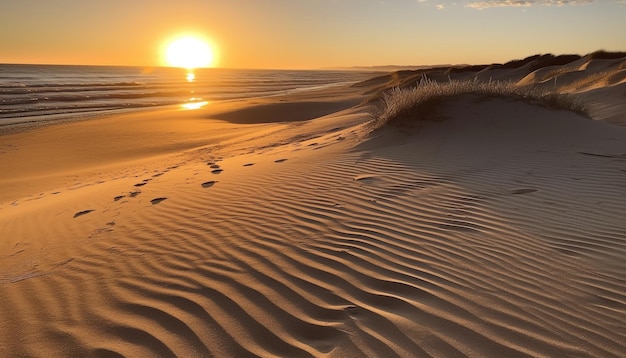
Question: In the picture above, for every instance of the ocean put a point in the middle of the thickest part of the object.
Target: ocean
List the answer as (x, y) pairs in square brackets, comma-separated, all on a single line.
[(43, 93)]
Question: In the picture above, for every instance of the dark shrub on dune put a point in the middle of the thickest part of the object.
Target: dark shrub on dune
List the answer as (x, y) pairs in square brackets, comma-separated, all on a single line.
[(604, 55), (536, 61), (551, 60), (517, 63), (468, 68)]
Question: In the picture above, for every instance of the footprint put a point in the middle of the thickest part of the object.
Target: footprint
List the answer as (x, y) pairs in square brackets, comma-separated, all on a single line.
[(84, 212), (140, 184), (157, 200), (209, 184), (248, 164), (280, 160), (217, 171), (352, 310), (119, 197), (215, 166), (523, 191), (368, 179), (134, 193), (597, 155)]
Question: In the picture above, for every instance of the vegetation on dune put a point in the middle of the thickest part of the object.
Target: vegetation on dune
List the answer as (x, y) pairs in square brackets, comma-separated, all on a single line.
[(539, 61), (407, 107), (535, 62), (399, 101), (606, 55)]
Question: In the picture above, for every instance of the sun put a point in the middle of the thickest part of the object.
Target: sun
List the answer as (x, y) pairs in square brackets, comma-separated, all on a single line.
[(189, 52)]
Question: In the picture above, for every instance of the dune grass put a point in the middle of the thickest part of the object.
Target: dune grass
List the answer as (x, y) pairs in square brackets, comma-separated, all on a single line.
[(407, 107)]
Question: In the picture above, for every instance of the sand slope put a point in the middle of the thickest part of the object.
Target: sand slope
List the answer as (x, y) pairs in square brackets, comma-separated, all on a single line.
[(497, 232)]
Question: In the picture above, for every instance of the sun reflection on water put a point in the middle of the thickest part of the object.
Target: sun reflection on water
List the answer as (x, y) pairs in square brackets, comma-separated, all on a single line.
[(194, 103)]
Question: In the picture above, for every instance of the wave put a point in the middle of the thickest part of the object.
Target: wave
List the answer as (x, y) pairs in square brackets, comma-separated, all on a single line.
[(38, 91), (63, 85)]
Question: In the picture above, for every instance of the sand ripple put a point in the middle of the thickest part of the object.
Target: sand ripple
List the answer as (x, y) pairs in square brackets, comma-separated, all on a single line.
[(374, 251)]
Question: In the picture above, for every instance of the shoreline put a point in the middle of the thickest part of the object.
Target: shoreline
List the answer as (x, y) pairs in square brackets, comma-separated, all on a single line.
[(28, 123), (115, 139)]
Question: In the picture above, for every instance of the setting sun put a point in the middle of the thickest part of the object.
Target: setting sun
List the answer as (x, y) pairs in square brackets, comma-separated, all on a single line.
[(189, 52)]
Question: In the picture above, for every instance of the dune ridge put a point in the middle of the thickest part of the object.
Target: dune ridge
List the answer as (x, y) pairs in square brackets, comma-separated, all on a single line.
[(597, 79), (497, 231)]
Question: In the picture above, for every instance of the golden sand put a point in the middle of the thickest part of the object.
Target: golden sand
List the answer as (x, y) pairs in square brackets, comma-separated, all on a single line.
[(285, 227)]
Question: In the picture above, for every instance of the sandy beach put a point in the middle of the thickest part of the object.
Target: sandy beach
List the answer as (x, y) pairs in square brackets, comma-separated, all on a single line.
[(287, 227)]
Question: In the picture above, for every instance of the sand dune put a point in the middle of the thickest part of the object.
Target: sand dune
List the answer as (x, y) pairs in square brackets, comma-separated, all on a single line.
[(498, 231), (599, 79)]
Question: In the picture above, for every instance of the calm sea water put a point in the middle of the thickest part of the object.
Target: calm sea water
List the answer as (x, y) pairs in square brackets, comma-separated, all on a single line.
[(45, 92)]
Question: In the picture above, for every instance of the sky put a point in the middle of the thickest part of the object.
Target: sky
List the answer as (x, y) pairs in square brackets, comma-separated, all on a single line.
[(308, 34)]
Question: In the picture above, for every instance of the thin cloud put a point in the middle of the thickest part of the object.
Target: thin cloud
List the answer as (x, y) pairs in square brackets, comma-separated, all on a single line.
[(440, 7), (525, 3)]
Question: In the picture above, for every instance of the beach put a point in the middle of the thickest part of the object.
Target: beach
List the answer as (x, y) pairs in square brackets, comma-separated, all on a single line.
[(290, 226)]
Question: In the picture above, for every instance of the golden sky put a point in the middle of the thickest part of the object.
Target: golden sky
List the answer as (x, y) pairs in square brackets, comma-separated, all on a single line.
[(307, 33)]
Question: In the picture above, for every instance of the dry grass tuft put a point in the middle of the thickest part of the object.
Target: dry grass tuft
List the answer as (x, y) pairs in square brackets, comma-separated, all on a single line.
[(408, 107)]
